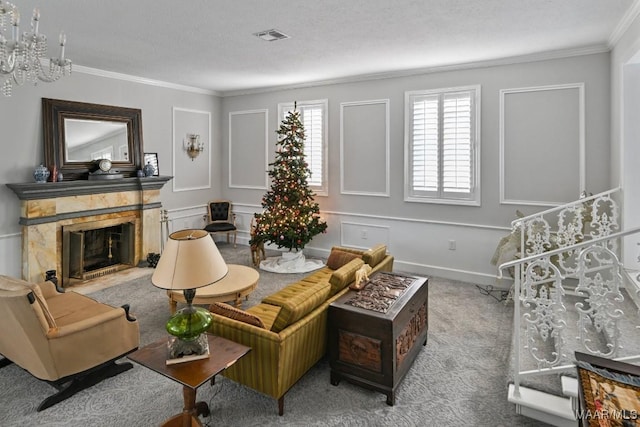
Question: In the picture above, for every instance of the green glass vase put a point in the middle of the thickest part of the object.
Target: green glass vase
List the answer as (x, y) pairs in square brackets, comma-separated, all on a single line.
[(189, 323)]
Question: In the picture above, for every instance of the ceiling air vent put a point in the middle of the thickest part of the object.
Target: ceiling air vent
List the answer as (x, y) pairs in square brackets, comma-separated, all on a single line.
[(271, 35)]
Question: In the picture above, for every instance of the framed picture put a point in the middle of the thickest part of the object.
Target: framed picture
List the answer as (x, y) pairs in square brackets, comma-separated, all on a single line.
[(153, 159), (609, 392)]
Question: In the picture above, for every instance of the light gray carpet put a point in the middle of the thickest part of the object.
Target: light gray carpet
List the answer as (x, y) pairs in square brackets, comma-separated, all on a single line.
[(458, 379)]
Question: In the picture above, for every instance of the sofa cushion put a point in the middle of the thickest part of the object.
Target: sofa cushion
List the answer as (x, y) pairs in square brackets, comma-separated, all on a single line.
[(319, 275), (266, 312), (296, 300), (231, 312), (344, 275), (338, 258), (374, 255), (71, 307)]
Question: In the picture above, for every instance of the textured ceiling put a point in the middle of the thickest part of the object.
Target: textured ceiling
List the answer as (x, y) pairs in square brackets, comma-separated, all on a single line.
[(209, 44)]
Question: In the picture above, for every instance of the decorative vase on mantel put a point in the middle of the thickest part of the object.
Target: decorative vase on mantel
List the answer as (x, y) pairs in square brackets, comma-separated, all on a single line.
[(41, 174), (149, 169)]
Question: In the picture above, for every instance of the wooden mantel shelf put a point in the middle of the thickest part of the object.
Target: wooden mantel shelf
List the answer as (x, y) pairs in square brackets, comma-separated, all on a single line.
[(50, 190)]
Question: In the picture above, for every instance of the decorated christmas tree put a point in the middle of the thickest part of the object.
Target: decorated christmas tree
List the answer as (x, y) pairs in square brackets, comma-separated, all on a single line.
[(291, 217)]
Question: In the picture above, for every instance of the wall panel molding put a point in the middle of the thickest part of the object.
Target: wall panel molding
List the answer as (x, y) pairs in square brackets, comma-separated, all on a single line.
[(429, 256), (365, 147), (363, 235), (245, 156), (11, 260), (538, 126), (191, 174)]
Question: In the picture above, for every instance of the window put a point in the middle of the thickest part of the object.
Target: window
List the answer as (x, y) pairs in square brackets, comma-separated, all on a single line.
[(314, 119), (442, 146)]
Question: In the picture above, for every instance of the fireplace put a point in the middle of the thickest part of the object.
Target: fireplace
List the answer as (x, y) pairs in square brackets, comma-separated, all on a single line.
[(97, 248), (87, 229)]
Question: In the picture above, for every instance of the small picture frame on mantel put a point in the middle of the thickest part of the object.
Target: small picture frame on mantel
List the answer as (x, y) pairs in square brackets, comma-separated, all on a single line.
[(153, 159)]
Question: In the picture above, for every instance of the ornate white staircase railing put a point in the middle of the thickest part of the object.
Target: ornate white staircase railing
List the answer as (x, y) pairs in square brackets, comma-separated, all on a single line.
[(568, 291), (562, 226)]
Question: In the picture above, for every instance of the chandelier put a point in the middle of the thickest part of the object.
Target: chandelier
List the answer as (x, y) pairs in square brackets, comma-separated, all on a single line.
[(21, 55)]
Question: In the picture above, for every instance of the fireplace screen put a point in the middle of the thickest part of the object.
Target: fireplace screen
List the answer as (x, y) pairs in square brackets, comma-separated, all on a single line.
[(99, 251)]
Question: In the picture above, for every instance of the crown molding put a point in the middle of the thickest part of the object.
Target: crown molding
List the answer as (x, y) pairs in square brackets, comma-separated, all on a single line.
[(142, 80), (630, 15), (541, 56)]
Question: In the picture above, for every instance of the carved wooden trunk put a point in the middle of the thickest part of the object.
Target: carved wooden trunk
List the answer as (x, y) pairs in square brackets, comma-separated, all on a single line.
[(374, 341)]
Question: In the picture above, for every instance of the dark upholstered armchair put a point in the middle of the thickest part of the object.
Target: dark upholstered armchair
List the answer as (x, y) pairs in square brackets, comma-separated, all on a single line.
[(220, 219), (64, 338)]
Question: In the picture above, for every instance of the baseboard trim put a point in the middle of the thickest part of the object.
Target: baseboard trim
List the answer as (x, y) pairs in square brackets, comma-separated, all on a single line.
[(409, 267), (451, 274)]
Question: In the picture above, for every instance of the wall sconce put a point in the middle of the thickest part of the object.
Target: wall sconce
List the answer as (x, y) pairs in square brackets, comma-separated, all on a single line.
[(193, 146)]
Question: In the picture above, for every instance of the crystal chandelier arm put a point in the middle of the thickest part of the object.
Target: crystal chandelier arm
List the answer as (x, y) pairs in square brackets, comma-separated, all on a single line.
[(15, 24), (20, 58), (63, 42), (7, 60), (35, 21)]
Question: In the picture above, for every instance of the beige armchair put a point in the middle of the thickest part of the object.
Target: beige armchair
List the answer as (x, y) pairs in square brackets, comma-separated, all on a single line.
[(64, 338)]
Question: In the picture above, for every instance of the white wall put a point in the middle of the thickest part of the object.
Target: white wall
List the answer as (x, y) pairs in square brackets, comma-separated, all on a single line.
[(22, 149), (625, 133), (418, 235)]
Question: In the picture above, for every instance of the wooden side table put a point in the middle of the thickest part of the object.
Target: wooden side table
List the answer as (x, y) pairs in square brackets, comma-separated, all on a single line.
[(239, 282), (223, 353)]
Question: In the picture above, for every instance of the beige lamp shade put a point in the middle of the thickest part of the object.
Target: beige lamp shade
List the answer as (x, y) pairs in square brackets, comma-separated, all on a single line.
[(190, 260)]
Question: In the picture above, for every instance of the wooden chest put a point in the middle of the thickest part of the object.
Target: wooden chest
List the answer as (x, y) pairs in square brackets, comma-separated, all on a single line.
[(374, 338)]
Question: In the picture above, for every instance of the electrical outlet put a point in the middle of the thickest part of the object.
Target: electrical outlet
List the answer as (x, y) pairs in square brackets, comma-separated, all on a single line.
[(363, 234), (452, 245)]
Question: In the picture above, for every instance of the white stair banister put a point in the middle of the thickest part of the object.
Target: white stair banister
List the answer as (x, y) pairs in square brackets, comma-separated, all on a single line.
[(577, 248)]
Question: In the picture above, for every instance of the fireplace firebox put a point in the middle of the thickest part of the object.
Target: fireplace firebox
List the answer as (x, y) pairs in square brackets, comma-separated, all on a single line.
[(94, 249)]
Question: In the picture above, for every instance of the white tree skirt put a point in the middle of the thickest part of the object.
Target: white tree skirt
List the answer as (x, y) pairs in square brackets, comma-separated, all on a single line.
[(290, 262)]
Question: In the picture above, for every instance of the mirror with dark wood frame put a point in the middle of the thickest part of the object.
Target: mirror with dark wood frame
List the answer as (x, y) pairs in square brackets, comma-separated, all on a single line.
[(76, 134)]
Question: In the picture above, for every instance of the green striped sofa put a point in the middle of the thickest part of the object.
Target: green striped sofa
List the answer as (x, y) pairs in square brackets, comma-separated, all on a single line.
[(293, 337)]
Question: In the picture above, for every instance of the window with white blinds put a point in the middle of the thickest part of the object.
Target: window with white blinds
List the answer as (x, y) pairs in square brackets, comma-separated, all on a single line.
[(442, 146), (314, 118)]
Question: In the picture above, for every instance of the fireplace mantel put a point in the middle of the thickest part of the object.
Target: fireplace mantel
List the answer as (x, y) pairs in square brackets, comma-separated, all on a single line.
[(46, 208), (48, 190)]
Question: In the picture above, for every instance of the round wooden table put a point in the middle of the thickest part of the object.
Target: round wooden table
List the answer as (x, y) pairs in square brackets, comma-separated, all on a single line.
[(239, 282)]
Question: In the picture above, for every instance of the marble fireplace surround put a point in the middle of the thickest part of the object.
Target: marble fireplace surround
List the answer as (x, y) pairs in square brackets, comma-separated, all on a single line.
[(46, 208)]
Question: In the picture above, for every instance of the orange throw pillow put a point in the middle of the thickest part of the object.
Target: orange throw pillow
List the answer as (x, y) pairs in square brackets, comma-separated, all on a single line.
[(231, 312), (338, 258)]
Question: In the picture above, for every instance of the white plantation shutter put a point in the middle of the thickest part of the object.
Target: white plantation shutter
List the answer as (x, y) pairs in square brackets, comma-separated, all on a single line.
[(441, 145), (313, 115), (313, 147), (456, 142), (424, 146)]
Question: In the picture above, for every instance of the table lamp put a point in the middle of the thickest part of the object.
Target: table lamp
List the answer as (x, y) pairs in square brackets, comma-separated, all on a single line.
[(190, 260)]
